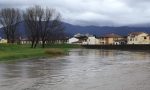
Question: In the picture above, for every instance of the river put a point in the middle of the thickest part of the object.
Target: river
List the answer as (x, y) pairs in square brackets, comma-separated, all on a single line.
[(81, 69)]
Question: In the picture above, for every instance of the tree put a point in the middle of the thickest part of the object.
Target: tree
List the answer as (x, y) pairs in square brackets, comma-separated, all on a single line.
[(40, 22), (53, 27), (33, 18), (9, 19), (57, 30)]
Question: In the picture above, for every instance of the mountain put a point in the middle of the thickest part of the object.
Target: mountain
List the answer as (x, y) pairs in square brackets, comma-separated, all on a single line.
[(94, 30), (140, 25), (99, 31)]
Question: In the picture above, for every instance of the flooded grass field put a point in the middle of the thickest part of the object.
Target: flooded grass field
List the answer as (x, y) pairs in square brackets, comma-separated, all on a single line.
[(81, 69)]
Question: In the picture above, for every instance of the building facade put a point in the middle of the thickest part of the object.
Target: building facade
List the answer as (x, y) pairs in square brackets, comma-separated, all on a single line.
[(111, 39), (138, 38), (92, 40), (2, 40)]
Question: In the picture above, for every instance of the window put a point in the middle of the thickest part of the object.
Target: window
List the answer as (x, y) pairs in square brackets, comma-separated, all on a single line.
[(130, 39), (145, 37)]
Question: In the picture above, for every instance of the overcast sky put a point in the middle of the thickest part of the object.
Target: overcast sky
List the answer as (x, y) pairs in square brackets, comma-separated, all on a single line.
[(93, 12)]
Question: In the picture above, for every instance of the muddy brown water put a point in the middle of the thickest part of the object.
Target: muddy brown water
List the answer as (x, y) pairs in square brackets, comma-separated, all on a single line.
[(81, 69)]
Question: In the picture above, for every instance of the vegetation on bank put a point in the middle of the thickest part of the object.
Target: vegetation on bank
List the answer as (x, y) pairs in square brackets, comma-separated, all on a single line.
[(63, 46), (13, 51)]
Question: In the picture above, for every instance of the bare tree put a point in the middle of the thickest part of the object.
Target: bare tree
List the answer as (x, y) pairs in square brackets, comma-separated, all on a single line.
[(52, 26), (57, 30), (33, 18), (46, 25), (9, 19), (40, 23)]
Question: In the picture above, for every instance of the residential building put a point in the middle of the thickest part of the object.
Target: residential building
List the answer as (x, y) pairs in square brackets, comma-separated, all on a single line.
[(83, 39), (92, 40), (121, 41), (111, 39), (78, 39), (72, 40), (3, 40), (102, 40), (138, 38)]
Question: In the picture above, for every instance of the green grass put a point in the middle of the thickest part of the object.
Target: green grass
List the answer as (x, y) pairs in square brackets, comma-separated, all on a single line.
[(13, 52), (63, 46)]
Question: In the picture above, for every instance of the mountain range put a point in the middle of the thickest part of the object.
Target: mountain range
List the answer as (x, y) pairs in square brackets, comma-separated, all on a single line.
[(70, 29), (102, 30)]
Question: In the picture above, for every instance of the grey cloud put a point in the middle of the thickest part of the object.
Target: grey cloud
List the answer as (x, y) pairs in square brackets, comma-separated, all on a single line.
[(93, 12)]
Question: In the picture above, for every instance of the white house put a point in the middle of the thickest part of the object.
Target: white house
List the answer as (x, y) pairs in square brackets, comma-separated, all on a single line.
[(73, 40), (3, 40), (92, 40), (138, 38)]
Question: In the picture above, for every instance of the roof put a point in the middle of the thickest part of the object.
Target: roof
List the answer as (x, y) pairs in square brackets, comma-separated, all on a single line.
[(121, 40), (112, 35), (136, 33), (82, 37)]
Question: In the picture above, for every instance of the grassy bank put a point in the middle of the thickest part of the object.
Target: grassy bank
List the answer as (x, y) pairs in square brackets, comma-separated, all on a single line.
[(13, 52), (63, 46)]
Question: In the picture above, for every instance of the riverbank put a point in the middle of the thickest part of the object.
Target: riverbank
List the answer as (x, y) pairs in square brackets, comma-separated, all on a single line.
[(118, 47), (14, 52)]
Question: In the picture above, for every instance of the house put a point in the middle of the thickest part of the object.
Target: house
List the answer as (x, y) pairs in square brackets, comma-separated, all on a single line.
[(121, 41), (102, 40), (24, 41), (59, 40), (73, 40), (111, 39), (3, 40), (138, 38), (92, 40), (83, 39), (78, 39)]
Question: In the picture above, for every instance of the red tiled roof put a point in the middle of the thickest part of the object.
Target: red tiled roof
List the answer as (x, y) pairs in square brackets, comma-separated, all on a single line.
[(112, 35)]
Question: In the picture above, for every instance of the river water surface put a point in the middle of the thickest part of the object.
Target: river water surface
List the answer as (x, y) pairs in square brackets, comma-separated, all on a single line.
[(81, 69)]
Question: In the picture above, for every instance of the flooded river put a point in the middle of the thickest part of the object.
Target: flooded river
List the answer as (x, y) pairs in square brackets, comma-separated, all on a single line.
[(81, 69)]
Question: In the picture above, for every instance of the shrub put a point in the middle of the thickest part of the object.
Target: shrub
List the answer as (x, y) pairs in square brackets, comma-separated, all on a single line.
[(54, 51)]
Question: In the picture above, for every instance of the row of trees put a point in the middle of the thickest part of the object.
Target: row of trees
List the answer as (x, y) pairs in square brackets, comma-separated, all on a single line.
[(41, 24)]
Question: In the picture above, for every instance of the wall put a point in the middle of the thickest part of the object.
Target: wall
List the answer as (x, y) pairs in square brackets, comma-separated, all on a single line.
[(111, 41), (71, 40), (92, 41), (139, 39), (3, 41)]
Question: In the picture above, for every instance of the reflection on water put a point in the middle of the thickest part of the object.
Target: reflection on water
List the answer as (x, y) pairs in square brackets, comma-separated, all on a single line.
[(81, 69)]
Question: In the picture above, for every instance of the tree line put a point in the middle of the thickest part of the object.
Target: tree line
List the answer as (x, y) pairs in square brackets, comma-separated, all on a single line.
[(41, 24)]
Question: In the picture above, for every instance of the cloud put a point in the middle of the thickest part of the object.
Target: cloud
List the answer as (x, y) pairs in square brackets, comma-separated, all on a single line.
[(93, 12)]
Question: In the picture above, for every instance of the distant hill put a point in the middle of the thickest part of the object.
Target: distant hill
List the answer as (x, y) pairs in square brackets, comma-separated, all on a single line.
[(99, 31), (95, 30)]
